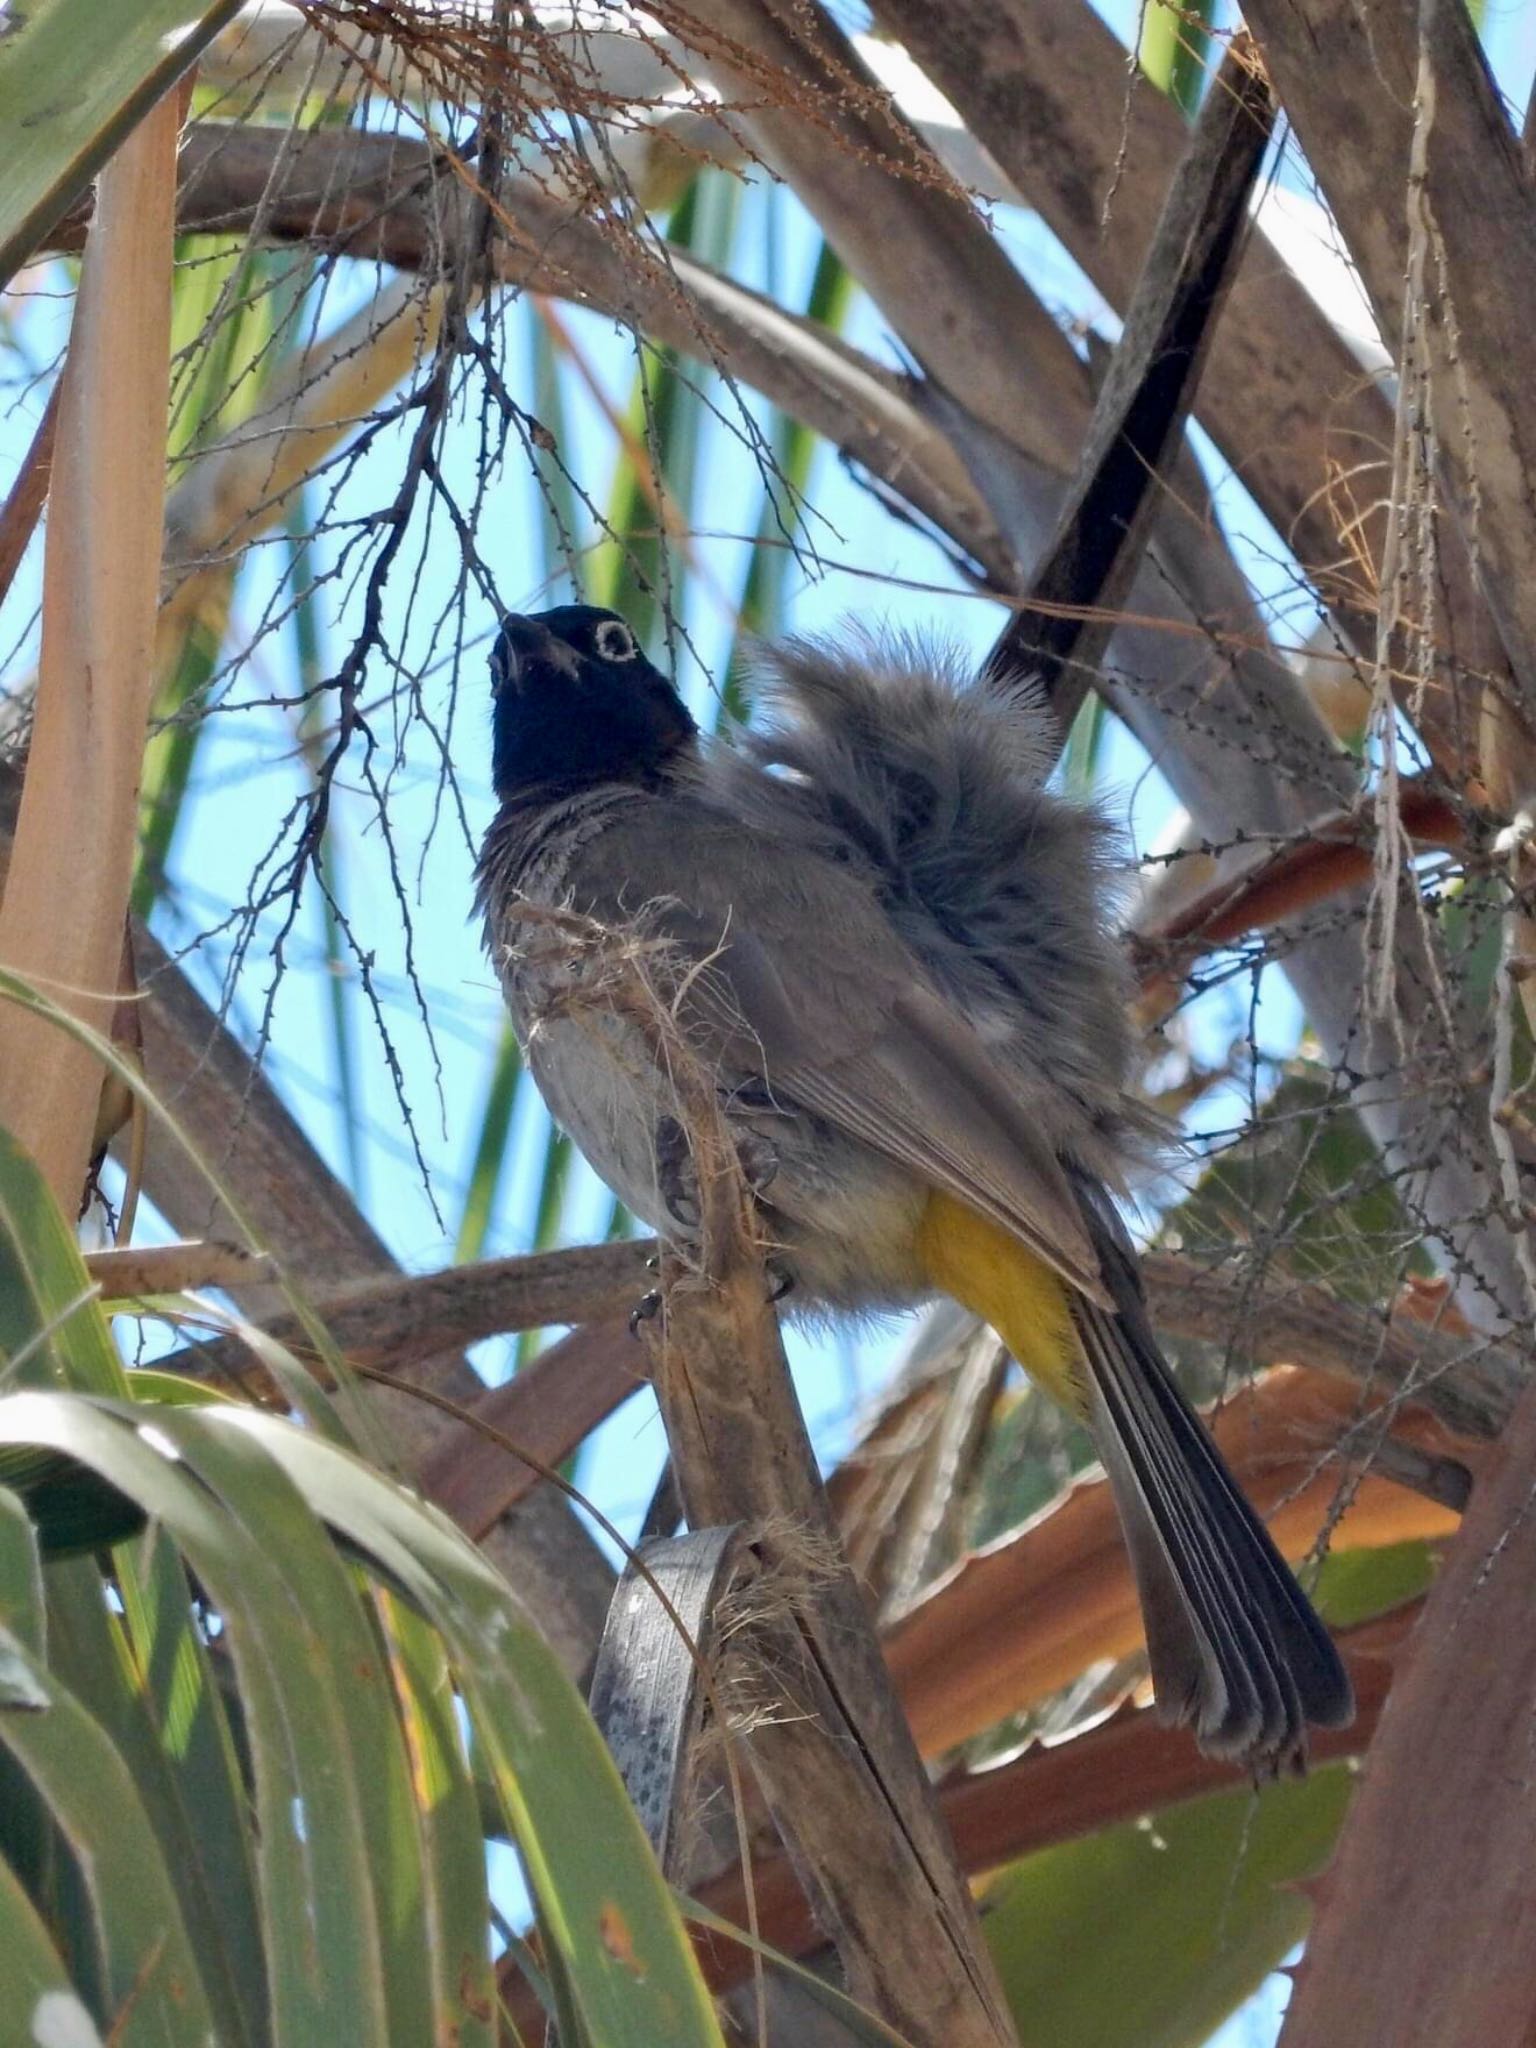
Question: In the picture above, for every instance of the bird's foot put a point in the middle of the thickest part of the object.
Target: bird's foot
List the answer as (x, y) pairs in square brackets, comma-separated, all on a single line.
[(645, 1310), (759, 1158), (677, 1178), (781, 1279)]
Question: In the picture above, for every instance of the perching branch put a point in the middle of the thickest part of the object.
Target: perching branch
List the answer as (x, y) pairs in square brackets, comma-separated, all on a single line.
[(403, 1321), (397, 1320), (837, 1766)]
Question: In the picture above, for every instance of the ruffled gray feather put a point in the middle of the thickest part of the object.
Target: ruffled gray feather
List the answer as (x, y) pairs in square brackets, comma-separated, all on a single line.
[(1001, 886)]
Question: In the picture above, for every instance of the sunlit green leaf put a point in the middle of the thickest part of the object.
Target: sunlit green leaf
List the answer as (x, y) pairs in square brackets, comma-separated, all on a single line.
[(606, 1914), (1175, 48), (146, 1679), (74, 87), (290, 1610), (50, 1332), (21, 1576), (37, 2000), (1306, 1179), (147, 1976), (1148, 1935), (1356, 1585)]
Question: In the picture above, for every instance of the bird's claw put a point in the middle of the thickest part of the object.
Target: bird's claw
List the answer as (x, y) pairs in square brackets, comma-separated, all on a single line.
[(677, 1182), (759, 1158), (677, 1179), (645, 1310), (781, 1280)]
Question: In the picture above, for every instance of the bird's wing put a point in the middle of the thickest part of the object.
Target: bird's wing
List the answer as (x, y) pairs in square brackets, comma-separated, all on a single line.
[(809, 985)]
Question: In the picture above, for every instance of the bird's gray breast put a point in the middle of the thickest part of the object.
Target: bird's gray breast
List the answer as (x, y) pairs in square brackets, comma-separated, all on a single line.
[(595, 1069), (844, 1215)]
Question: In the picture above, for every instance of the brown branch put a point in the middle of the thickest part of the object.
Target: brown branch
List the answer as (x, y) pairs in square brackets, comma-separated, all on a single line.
[(887, 1491), (1426, 1933), (132, 1271), (1062, 629), (1270, 884), (1470, 199), (1346, 72), (380, 199), (834, 1756), (802, 95), (399, 1319), (1438, 1947), (1467, 1383), (1117, 1771), (1043, 86), (549, 1407), (18, 519), (552, 1405)]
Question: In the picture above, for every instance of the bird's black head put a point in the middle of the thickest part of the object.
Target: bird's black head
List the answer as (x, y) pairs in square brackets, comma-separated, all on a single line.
[(576, 703)]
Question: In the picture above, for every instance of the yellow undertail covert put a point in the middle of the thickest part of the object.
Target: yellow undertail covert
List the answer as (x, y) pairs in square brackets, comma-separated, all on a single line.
[(981, 1266)]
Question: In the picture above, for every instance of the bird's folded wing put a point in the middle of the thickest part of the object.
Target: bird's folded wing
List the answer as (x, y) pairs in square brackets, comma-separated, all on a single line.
[(926, 1093), (806, 982)]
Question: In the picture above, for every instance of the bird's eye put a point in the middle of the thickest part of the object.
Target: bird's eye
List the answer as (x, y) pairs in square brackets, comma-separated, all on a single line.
[(614, 641)]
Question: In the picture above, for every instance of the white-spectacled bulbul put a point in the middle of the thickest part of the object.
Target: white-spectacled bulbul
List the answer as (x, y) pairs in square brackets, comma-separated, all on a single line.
[(913, 1005)]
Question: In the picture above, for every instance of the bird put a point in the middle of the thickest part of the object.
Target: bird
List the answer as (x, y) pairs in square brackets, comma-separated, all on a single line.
[(896, 962)]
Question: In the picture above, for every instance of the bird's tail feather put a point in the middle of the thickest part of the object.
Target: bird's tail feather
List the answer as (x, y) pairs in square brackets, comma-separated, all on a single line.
[(1235, 1645)]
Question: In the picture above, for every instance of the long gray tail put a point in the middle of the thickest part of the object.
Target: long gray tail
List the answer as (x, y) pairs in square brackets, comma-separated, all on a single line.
[(1235, 1645)]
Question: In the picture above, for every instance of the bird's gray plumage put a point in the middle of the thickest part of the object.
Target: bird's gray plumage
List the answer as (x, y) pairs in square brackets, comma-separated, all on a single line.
[(999, 887), (876, 1090), (890, 947)]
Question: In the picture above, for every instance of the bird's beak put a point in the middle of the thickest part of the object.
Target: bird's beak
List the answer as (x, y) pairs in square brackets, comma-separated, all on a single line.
[(525, 646)]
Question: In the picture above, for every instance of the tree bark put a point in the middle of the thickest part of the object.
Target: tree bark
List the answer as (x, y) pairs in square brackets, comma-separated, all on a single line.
[(1426, 1931)]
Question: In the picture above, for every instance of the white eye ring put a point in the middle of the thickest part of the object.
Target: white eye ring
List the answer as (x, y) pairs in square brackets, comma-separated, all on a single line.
[(614, 641)]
